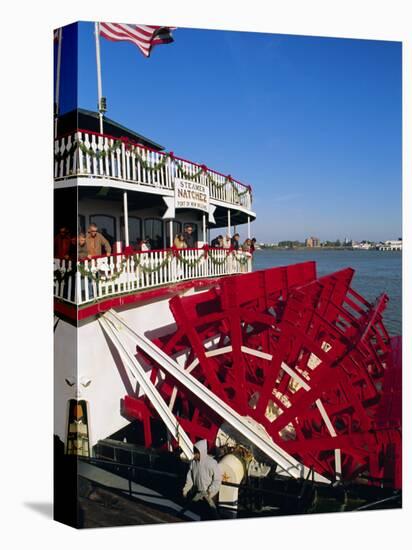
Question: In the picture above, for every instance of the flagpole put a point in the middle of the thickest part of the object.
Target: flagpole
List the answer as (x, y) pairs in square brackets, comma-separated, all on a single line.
[(99, 75), (57, 90)]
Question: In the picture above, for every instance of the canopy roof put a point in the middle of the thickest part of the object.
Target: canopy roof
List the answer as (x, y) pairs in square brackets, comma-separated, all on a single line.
[(89, 120)]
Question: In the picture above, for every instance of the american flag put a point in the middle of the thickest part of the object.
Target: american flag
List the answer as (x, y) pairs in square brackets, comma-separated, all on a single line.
[(145, 37)]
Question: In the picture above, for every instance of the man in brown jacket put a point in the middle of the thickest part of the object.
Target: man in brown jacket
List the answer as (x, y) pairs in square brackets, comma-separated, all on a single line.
[(95, 241)]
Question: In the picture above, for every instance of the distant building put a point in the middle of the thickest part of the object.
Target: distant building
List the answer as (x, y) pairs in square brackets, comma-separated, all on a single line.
[(312, 242), (391, 245)]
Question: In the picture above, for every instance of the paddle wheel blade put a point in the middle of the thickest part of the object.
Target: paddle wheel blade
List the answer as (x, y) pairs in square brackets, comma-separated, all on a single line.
[(305, 361)]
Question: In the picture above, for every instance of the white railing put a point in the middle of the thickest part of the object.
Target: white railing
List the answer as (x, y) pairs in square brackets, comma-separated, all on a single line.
[(100, 156), (103, 277), (64, 282)]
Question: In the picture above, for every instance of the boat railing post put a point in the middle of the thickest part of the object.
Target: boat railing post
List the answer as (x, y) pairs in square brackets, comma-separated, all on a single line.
[(86, 280), (118, 152), (62, 150), (94, 282), (63, 281), (126, 219), (87, 157), (123, 153), (173, 274), (100, 148), (94, 159), (78, 287), (126, 260), (105, 146), (113, 166), (68, 170), (69, 281), (168, 170), (79, 153)]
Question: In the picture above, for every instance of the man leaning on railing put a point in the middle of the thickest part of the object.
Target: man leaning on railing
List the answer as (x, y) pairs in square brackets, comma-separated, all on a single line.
[(96, 242)]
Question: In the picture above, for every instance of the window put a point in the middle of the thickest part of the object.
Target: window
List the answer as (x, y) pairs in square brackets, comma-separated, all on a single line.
[(106, 225), (135, 229), (153, 229)]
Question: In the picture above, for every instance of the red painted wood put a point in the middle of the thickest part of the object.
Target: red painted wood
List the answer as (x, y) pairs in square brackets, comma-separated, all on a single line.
[(65, 309), (141, 296), (289, 314)]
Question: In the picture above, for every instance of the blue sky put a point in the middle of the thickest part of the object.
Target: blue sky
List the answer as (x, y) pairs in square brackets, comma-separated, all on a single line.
[(313, 124)]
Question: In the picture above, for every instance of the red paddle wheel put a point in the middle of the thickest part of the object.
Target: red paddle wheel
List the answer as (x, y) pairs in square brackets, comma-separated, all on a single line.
[(307, 359)]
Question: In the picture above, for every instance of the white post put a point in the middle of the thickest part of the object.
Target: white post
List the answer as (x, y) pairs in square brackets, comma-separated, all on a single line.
[(204, 229), (248, 227), (99, 74), (229, 223), (170, 233), (57, 92), (126, 219)]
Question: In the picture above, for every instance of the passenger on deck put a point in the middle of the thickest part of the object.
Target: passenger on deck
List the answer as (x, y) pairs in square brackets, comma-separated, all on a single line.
[(247, 246), (142, 246), (236, 241), (253, 245), (179, 241), (217, 242), (62, 244), (227, 241), (147, 244), (189, 237), (96, 242), (203, 481), (81, 247)]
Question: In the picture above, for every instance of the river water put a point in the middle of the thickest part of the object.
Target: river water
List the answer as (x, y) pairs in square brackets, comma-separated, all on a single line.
[(375, 272)]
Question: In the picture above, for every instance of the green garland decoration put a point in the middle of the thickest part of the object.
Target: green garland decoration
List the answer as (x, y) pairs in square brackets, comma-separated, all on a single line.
[(99, 154), (149, 167), (95, 276), (241, 260), (91, 275), (182, 172), (147, 269), (60, 275), (229, 180), (190, 263), (152, 168), (214, 261), (63, 156)]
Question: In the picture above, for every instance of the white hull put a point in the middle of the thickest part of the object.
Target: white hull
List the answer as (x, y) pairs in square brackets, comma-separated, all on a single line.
[(87, 367)]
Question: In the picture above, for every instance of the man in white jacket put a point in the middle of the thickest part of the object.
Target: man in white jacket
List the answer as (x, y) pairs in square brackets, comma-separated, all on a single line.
[(204, 476)]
